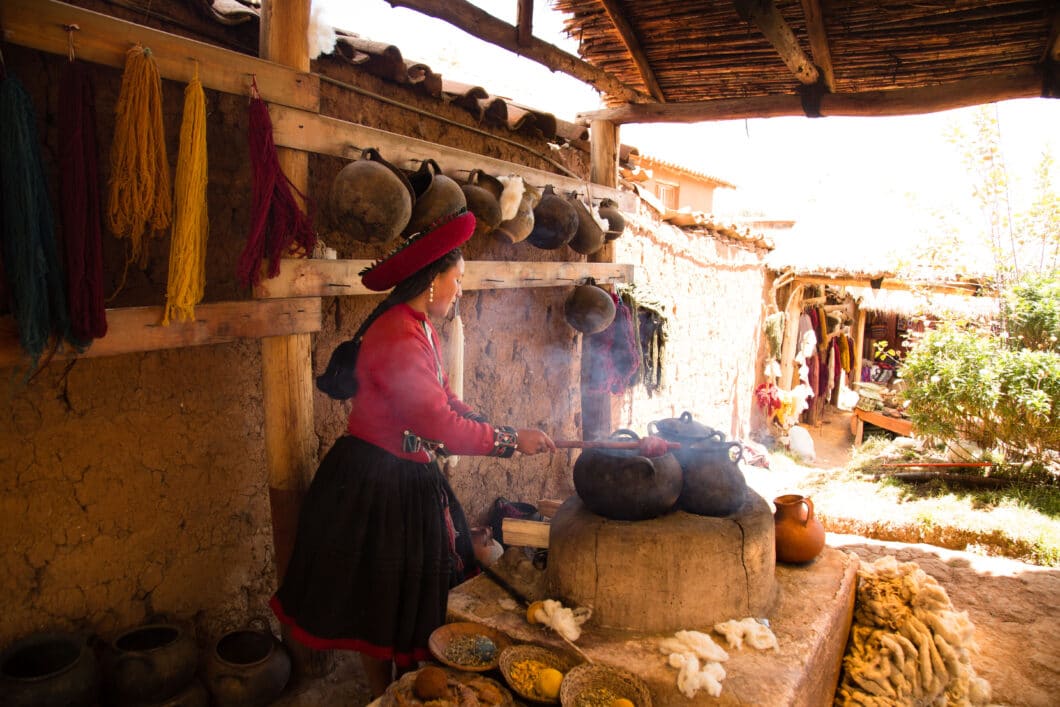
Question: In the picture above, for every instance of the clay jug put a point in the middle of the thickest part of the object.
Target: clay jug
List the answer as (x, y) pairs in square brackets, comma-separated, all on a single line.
[(800, 536), (437, 196), (623, 485), (247, 668), (589, 237), (371, 200), (589, 309), (482, 193), (517, 228), (149, 663), (49, 669), (616, 220), (555, 221)]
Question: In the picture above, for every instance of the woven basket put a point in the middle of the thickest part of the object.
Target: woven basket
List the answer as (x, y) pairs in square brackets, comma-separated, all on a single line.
[(592, 676), (526, 651), (439, 641)]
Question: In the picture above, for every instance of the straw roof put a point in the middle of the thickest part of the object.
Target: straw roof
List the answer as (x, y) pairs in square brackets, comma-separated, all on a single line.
[(915, 302)]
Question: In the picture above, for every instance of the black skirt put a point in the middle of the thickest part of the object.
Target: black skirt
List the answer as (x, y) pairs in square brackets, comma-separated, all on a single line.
[(380, 542)]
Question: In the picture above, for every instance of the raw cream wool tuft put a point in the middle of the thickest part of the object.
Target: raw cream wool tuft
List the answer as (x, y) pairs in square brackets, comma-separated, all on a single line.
[(699, 659), (511, 196), (908, 645), (140, 195), (191, 223), (564, 621)]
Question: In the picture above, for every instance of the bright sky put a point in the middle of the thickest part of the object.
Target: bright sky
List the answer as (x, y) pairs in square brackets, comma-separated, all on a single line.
[(884, 175)]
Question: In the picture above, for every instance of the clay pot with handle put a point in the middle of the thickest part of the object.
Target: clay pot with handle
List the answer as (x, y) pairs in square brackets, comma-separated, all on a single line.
[(371, 199), (247, 667), (621, 484), (437, 196), (150, 663), (799, 535), (49, 669), (483, 193), (555, 221)]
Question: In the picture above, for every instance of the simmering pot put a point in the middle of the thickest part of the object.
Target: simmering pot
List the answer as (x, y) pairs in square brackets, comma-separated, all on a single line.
[(623, 485), (713, 482)]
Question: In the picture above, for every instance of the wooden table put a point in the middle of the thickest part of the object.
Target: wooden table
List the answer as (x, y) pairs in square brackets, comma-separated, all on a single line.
[(898, 425)]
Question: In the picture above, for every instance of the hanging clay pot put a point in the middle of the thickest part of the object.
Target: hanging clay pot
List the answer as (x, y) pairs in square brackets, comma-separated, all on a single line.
[(149, 663), (589, 237), (616, 220), (437, 196), (517, 228), (247, 668), (589, 309), (371, 199), (555, 221), (799, 536), (482, 193), (49, 669)]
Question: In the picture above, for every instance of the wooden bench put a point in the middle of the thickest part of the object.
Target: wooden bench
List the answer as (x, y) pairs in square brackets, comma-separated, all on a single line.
[(898, 425)]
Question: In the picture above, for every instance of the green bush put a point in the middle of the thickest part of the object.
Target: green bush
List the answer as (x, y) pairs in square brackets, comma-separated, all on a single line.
[(1032, 313)]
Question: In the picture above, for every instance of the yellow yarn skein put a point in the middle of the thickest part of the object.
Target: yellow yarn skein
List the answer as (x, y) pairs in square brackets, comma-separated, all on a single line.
[(139, 171), (191, 224)]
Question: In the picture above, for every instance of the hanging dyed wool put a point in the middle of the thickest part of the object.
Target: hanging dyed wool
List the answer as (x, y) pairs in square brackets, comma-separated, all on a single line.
[(277, 221), (31, 258), (191, 226), (80, 204), (140, 200)]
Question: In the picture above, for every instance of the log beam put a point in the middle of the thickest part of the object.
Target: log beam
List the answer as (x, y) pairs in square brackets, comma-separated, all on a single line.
[(818, 36), (764, 14), (636, 52), (524, 26), (478, 23), (901, 101)]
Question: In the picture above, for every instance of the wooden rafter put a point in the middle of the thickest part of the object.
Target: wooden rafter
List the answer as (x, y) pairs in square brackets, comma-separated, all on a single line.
[(772, 24), (818, 36), (1052, 47), (636, 52), (479, 23), (909, 101), (524, 23)]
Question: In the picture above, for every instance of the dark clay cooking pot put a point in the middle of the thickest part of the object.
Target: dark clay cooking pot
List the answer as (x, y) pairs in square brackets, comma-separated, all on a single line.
[(247, 667), (150, 663), (713, 482), (49, 669), (623, 485)]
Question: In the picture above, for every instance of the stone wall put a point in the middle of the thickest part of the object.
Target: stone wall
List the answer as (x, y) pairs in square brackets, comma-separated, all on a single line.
[(136, 485)]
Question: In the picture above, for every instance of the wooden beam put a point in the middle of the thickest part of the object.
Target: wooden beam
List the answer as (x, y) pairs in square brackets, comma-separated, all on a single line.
[(38, 24), (338, 278), (818, 36), (478, 23), (901, 101), (525, 533), (859, 344), (524, 27), (772, 24), (967, 289), (1052, 45), (636, 52), (330, 136), (136, 329)]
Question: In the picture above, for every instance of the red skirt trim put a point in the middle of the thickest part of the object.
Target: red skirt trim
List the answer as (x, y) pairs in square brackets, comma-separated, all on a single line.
[(402, 660)]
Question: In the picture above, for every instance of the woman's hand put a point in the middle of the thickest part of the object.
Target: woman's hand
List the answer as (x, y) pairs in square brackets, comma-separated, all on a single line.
[(533, 441)]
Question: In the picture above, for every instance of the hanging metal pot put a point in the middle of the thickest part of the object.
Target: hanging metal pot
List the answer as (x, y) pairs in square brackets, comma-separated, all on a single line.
[(49, 669), (149, 663), (714, 485), (623, 485), (589, 309), (589, 237), (437, 196), (616, 220), (555, 221), (482, 193), (247, 668), (371, 199)]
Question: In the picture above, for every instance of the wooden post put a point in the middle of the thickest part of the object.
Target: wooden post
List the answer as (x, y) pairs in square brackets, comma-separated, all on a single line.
[(603, 144), (792, 310), (286, 361), (859, 343)]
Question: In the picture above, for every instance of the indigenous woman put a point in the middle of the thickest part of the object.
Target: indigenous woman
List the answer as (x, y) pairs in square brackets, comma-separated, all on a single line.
[(381, 536)]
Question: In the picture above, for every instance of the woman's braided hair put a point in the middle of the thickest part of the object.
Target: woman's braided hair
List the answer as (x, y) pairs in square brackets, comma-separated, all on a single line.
[(338, 379)]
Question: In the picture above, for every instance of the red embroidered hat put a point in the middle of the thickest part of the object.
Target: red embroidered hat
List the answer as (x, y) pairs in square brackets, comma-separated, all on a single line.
[(418, 251)]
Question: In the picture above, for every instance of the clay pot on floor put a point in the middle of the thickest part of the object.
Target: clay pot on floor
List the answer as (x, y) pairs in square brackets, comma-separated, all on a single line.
[(49, 670), (149, 664), (247, 668), (799, 535)]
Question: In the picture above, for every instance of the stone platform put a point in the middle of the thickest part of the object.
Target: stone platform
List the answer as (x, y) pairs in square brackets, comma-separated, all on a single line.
[(810, 617)]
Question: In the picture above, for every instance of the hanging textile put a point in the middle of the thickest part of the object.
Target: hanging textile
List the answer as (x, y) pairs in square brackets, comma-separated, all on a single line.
[(79, 200), (616, 354), (277, 221), (141, 202), (191, 225), (650, 325), (31, 256)]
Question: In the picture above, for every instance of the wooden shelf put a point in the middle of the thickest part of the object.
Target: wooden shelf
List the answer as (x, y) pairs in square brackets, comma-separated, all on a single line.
[(330, 278), (132, 329)]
